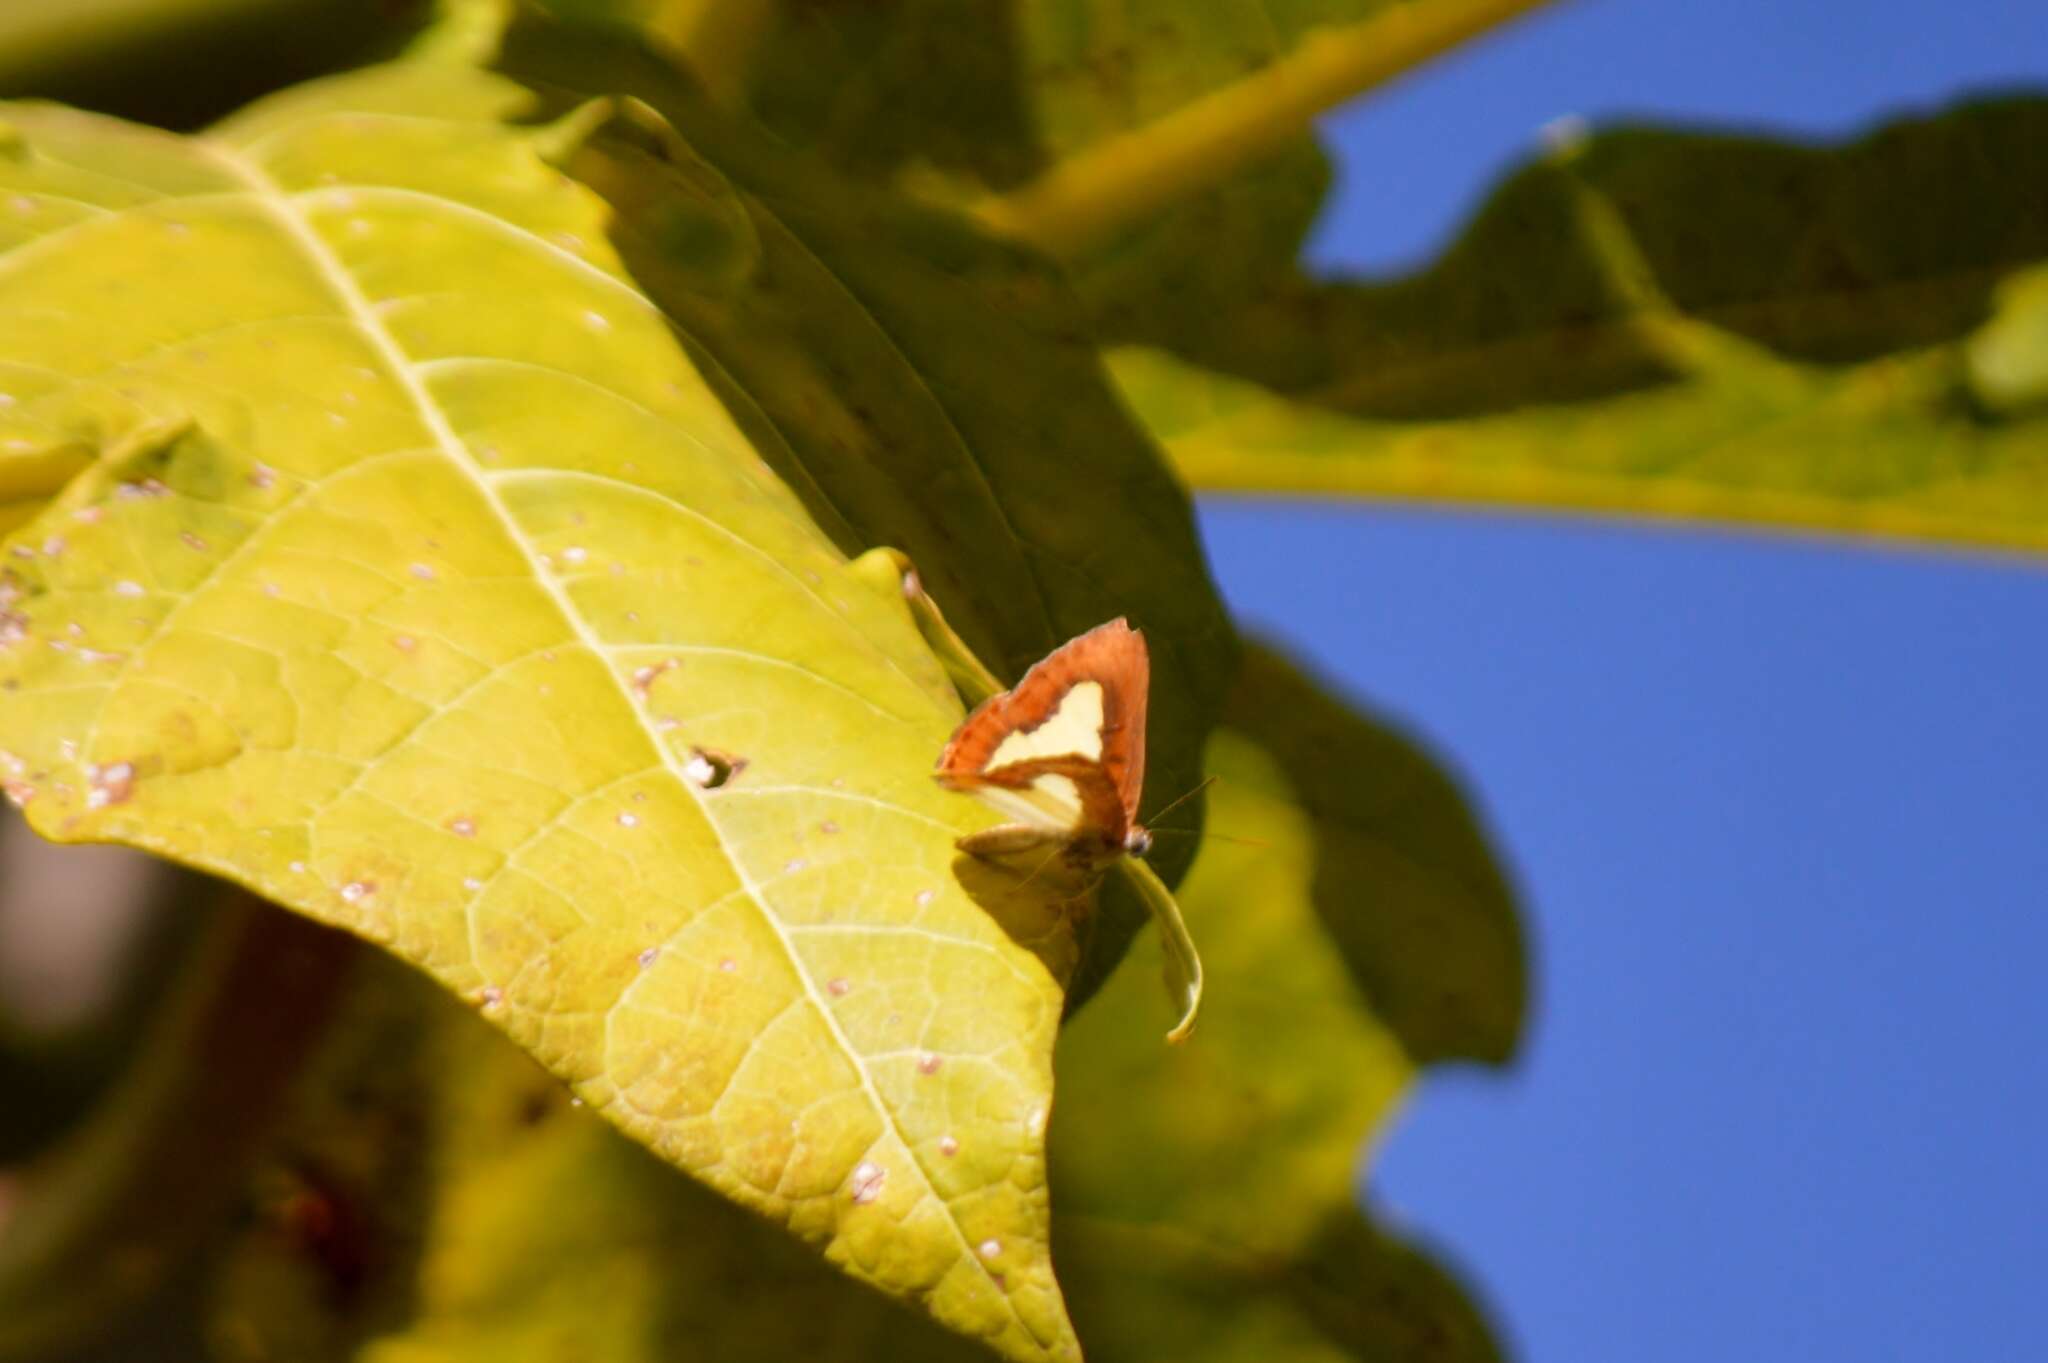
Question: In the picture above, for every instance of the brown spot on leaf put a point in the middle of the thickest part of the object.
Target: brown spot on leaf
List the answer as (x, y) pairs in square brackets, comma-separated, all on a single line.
[(645, 677)]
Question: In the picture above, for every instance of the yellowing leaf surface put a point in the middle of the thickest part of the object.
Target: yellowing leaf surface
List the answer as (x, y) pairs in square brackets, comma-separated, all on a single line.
[(1211, 1218), (423, 585)]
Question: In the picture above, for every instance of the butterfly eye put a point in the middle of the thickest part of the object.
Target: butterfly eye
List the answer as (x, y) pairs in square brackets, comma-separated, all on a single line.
[(1137, 842)]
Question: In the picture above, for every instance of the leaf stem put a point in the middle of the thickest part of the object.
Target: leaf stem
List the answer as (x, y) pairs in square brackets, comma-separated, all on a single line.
[(1132, 176), (892, 569), (1183, 965)]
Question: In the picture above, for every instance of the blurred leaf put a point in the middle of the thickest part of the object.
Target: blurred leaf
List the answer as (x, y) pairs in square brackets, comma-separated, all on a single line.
[(921, 387), (437, 1197), (1557, 290), (1091, 122), (1207, 1212), (1161, 103), (98, 1220), (2007, 357), (184, 63), (1661, 323), (1405, 883), (90, 938), (424, 586), (1207, 1209)]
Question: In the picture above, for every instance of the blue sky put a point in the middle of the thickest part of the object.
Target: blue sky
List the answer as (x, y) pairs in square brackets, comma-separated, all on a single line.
[(1775, 805)]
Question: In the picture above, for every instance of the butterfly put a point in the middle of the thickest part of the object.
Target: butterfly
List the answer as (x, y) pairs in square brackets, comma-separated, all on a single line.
[(1062, 752)]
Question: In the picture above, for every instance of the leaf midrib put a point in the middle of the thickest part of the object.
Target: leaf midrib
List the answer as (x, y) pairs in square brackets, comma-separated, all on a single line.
[(280, 206)]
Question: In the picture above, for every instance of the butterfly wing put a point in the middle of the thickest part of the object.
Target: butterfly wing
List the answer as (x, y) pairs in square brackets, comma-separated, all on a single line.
[(1064, 749)]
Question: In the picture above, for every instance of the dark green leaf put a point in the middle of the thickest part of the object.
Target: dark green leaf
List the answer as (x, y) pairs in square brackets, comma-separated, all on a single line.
[(921, 387), (1666, 323)]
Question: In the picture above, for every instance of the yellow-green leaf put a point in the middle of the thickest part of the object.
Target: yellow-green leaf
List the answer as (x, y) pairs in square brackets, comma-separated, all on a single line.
[(1660, 324), (1207, 1209), (425, 586)]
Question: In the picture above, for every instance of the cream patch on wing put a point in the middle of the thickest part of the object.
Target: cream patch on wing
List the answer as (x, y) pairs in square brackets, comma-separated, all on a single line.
[(1073, 728), (1050, 802)]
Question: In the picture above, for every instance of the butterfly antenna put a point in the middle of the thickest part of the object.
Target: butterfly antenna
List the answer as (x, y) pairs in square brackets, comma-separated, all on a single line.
[(1211, 833), (1179, 800)]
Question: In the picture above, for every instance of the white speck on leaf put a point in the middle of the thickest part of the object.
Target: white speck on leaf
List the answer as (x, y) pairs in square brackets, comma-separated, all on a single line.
[(867, 1181), (111, 784)]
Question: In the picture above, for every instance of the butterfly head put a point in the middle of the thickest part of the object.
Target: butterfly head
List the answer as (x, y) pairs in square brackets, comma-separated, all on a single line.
[(1137, 842)]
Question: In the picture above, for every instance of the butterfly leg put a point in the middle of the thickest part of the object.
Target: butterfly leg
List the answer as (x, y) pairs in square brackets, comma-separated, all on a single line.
[(1007, 839)]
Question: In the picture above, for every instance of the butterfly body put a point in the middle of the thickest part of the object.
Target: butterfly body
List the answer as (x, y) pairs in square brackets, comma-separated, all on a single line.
[(1062, 753)]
